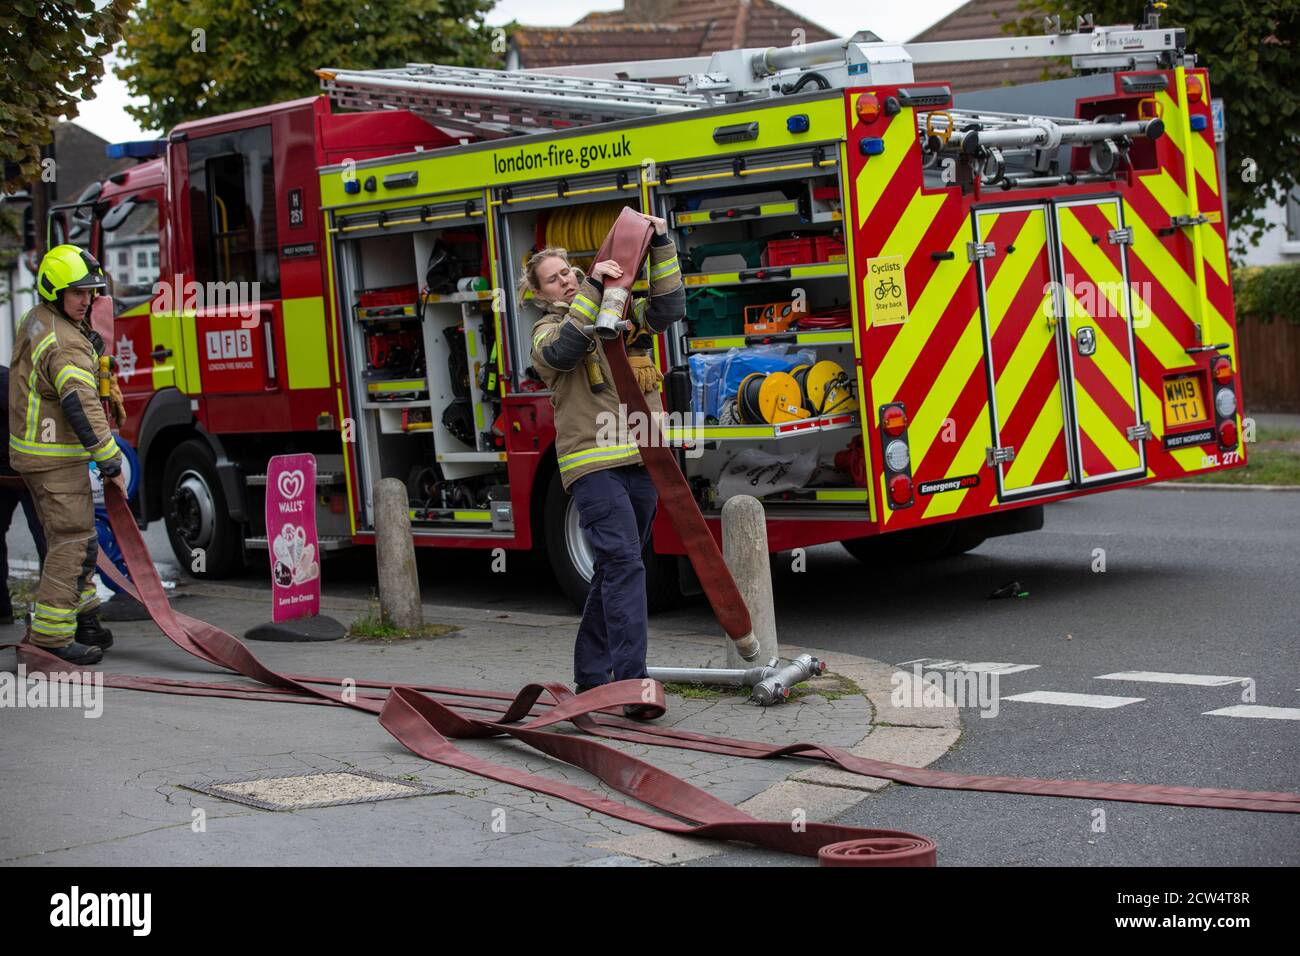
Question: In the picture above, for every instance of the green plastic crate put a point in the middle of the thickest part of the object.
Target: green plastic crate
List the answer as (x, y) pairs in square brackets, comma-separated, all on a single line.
[(714, 312), (750, 249)]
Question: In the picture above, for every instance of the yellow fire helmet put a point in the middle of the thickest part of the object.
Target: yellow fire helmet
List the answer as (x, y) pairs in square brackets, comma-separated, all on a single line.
[(68, 267)]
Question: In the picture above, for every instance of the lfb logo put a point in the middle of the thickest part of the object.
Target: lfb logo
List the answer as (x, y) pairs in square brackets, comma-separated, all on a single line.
[(229, 344), (291, 484)]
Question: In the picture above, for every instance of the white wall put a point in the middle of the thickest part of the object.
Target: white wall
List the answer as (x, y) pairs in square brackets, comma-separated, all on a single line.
[(1275, 246), (18, 305)]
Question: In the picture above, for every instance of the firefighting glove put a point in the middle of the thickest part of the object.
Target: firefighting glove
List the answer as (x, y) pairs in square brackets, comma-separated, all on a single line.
[(647, 373), (115, 401)]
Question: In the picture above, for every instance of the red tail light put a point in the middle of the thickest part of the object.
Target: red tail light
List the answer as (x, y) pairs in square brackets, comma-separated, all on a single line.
[(1228, 434), (894, 421), (1222, 370), (900, 489)]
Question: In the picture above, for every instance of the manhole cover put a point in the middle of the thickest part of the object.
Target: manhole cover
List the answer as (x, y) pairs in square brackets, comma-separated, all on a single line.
[(300, 791)]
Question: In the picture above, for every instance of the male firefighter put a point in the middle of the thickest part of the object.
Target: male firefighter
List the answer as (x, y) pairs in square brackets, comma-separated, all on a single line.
[(614, 493), (56, 426)]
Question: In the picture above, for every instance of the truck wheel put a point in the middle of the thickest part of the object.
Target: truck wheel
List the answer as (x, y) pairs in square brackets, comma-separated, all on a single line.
[(195, 512), (573, 561), (906, 547)]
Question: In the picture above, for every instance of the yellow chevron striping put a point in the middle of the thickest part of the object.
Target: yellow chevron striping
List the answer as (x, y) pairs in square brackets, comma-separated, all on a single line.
[(1108, 282), (920, 212), (878, 173), (1038, 445), (1174, 201), (913, 334), (1176, 127), (928, 419), (1038, 336), (1111, 442), (1109, 359), (1166, 270), (1206, 163), (968, 461), (1035, 346)]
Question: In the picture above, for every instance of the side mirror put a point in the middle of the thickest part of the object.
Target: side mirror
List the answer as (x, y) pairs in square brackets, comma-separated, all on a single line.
[(117, 215), (56, 229)]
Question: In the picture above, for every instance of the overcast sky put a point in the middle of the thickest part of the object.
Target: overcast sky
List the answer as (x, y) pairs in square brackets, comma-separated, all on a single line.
[(897, 20)]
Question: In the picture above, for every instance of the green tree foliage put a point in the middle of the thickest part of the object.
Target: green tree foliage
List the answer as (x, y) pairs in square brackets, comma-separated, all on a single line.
[(1252, 50), (51, 57), (205, 57)]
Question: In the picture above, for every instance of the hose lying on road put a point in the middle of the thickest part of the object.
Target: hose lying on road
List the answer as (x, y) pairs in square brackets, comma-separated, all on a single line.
[(427, 718)]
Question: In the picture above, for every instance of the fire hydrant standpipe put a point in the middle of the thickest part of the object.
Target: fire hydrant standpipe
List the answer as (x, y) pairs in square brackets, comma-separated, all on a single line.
[(771, 684)]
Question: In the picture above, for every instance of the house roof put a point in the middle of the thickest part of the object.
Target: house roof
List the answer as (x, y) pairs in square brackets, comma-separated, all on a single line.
[(686, 28), (978, 20)]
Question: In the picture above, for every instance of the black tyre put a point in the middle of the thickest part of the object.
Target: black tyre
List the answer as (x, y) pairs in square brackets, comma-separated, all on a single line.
[(572, 560), (195, 512), (902, 547)]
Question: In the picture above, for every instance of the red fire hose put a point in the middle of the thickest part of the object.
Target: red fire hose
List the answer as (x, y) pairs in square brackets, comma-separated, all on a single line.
[(628, 242), (427, 718)]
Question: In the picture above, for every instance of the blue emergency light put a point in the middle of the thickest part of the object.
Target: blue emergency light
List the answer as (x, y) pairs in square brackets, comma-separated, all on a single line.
[(137, 149), (872, 146)]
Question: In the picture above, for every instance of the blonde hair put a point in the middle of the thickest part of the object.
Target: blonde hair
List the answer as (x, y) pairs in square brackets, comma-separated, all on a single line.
[(528, 277)]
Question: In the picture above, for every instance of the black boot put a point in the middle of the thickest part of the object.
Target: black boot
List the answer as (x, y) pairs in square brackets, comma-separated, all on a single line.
[(78, 653), (91, 632)]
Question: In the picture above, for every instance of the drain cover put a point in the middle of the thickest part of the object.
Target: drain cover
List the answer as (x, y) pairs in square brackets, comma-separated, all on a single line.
[(328, 789)]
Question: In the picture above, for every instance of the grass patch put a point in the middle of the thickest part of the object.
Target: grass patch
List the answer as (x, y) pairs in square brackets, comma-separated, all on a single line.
[(22, 592), (374, 626), (828, 685), (1273, 459), (703, 692)]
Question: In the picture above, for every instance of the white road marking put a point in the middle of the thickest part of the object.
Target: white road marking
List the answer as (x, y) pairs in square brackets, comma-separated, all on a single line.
[(1157, 677), (1075, 700), (1255, 710), (977, 667)]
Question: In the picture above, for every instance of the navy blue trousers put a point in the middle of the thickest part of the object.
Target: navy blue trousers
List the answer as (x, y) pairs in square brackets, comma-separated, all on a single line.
[(616, 508)]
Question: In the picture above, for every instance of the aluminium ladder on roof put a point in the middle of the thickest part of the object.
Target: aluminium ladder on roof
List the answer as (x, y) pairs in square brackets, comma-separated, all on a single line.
[(499, 103)]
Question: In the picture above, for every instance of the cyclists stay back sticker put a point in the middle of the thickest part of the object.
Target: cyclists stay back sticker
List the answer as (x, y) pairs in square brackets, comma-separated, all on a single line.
[(886, 292)]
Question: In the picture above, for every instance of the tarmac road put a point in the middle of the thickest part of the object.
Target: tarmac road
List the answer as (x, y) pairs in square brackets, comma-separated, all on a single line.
[(1198, 582)]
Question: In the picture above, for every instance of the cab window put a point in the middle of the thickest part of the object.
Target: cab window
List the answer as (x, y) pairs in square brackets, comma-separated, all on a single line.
[(232, 209), (129, 252)]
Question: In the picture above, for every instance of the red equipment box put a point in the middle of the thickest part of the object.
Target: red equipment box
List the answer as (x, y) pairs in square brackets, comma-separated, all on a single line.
[(393, 295)]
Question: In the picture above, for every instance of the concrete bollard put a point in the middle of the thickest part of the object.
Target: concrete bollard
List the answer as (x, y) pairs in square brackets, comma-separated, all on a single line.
[(399, 581), (744, 548)]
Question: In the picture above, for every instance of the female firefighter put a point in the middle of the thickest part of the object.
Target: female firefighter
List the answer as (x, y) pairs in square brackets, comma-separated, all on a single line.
[(615, 495)]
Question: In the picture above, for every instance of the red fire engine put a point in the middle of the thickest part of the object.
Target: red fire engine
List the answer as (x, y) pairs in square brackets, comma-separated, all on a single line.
[(913, 318)]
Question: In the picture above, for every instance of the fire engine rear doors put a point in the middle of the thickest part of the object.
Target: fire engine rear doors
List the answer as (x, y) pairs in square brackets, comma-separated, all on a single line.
[(1058, 345)]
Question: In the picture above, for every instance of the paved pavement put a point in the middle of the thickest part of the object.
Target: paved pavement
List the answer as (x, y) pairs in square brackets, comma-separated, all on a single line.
[(111, 790), (1198, 584)]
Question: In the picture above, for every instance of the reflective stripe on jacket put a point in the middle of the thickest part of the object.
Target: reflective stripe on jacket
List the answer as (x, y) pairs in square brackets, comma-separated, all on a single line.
[(590, 433), (52, 361)]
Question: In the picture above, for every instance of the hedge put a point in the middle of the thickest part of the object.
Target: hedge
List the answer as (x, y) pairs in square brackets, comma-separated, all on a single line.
[(1268, 292)]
